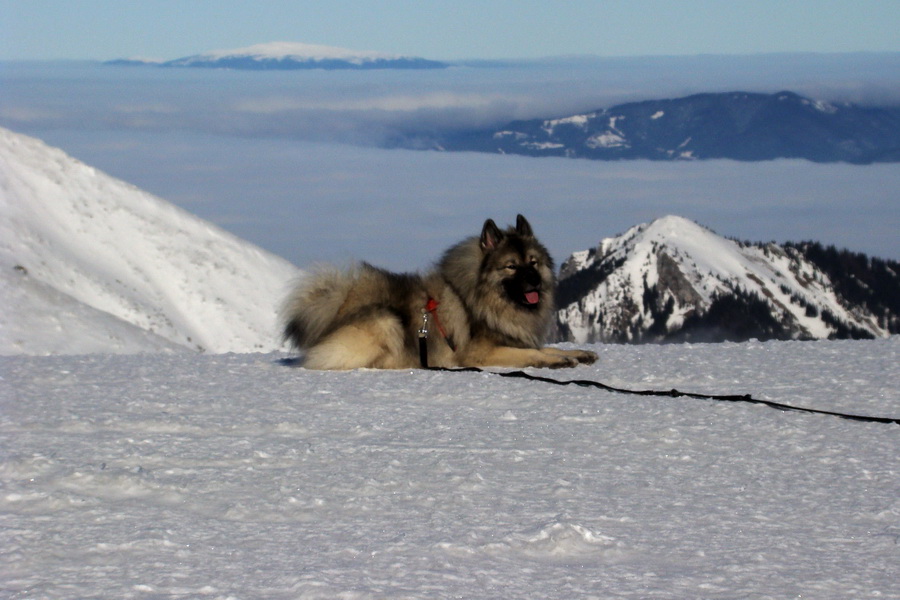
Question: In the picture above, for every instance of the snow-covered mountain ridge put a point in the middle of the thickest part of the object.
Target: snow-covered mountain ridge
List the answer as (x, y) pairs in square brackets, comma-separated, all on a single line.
[(292, 56), (673, 279), (89, 263), (733, 125)]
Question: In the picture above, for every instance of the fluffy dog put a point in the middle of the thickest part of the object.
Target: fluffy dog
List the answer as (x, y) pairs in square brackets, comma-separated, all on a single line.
[(488, 302)]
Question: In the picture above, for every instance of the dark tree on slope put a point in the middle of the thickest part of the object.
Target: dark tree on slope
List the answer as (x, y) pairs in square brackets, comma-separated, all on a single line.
[(732, 317), (576, 286), (859, 280), (657, 328)]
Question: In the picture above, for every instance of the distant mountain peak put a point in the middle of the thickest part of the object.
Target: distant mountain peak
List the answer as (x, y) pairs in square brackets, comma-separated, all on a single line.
[(293, 56), (675, 280), (299, 51)]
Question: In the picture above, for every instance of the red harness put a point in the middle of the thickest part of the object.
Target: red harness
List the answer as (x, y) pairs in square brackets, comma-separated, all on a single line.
[(430, 308)]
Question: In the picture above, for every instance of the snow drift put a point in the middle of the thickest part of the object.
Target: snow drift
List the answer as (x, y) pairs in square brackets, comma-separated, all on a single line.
[(89, 263)]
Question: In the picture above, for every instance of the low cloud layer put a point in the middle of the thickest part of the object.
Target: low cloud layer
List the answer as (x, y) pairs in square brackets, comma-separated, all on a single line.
[(286, 159)]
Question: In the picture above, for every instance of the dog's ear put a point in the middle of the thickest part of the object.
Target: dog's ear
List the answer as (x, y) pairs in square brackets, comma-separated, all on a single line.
[(523, 227), (491, 236)]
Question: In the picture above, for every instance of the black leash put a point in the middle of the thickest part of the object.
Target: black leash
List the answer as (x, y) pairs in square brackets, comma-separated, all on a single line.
[(668, 393), (431, 308)]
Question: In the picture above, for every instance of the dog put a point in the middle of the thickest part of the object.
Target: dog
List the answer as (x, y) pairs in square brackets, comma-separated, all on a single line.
[(489, 301)]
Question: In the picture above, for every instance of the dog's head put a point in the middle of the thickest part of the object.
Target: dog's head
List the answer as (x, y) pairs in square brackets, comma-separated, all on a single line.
[(518, 264)]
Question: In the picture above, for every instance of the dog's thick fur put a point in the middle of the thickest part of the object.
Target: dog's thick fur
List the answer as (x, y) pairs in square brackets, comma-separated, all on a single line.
[(494, 295)]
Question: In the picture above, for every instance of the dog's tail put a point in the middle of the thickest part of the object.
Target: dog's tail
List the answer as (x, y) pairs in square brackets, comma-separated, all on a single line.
[(328, 297), (313, 308)]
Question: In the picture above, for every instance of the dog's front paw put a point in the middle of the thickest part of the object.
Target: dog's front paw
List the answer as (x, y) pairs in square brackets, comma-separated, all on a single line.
[(586, 357), (562, 362)]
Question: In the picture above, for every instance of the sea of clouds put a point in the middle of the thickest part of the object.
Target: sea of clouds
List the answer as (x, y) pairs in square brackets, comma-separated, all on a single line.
[(315, 165)]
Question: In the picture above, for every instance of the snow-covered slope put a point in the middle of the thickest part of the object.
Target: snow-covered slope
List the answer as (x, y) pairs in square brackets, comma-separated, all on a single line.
[(178, 477), (296, 55), (658, 278), (89, 263)]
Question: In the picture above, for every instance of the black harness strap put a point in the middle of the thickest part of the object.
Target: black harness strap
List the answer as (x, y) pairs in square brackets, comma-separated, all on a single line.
[(665, 393)]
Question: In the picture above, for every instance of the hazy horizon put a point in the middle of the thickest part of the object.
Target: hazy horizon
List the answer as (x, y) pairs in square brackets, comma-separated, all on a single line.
[(291, 161)]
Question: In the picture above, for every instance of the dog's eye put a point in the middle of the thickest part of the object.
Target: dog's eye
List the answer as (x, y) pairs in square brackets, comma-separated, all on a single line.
[(533, 262), (510, 266)]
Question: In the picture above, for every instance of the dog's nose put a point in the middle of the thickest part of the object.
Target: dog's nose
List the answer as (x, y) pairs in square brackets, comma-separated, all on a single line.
[(532, 278)]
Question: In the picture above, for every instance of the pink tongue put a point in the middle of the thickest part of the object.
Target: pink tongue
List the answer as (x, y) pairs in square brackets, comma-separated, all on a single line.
[(532, 297)]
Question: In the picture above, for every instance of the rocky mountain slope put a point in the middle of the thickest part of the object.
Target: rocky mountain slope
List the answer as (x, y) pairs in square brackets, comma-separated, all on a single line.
[(737, 125), (674, 280)]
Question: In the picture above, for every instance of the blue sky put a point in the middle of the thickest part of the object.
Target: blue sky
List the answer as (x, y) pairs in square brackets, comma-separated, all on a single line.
[(165, 29)]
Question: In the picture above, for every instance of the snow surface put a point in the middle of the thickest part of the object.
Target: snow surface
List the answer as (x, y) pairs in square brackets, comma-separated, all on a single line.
[(89, 263), (580, 121), (607, 139), (612, 138), (240, 476), (543, 145)]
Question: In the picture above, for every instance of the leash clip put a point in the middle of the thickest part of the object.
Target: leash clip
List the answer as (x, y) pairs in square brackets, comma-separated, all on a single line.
[(423, 341), (423, 331)]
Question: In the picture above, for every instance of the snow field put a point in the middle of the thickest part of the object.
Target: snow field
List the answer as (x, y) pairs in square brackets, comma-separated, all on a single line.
[(240, 476)]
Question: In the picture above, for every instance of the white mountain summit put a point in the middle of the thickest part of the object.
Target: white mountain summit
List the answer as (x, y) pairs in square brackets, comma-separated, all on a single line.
[(674, 279), (298, 55)]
